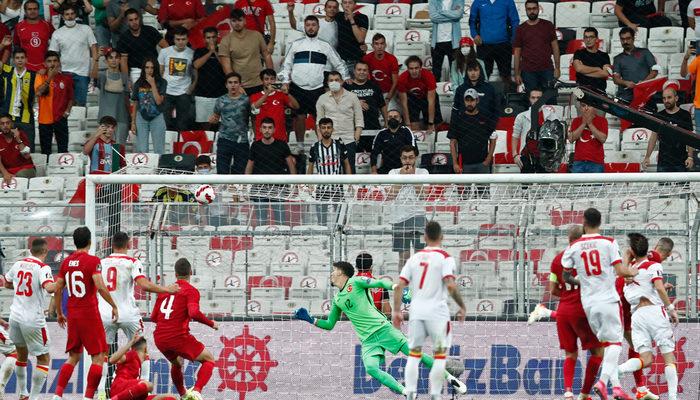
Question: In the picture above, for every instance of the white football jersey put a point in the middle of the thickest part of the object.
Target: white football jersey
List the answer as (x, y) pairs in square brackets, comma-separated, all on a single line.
[(643, 284), (29, 276), (424, 273), (119, 271), (593, 257)]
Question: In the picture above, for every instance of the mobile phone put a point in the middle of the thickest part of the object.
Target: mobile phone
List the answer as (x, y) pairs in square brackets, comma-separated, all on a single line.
[(277, 85)]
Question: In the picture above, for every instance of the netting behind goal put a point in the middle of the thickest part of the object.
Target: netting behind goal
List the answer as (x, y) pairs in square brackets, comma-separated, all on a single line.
[(261, 251)]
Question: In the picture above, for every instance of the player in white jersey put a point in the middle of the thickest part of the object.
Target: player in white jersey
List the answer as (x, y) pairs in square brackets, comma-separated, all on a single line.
[(597, 262), (430, 274), (119, 272), (7, 348), (33, 283), (649, 302)]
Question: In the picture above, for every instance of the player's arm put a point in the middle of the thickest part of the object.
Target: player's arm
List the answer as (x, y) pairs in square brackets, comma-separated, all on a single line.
[(567, 262), (120, 356), (329, 323), (554, 284), (370, 283), (151, 287), (453, 290), (397, 315), (58, 300), (625, 267), (196, 314), (661, 290), (102, 290)]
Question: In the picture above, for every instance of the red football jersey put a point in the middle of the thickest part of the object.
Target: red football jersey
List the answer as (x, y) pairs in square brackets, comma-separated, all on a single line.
[(274, 107), (588, 148), (130, 368), (569, 296), (380, 71), (378, 294), (171, 312), (418, 87), (34, 39), (77, 271)]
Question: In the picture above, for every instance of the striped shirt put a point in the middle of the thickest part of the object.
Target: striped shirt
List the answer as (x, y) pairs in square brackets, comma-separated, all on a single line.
[(18, 93), (328, 160)]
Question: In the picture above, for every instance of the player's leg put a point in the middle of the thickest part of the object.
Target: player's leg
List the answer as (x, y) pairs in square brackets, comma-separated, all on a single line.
[(417, 332), (176, 375), (110, 329), (605, 322), (372, 363), (441, 335), (426, 359), (137, 390), (581, 330), (95, 373), (7, 368), (640, 380), (8, 348), (96, 346), (21, 370), (663, 337), (67, 369), (566, 333), (41, 372), (206, 360), (36, 341), (592, 368), (671, 375)]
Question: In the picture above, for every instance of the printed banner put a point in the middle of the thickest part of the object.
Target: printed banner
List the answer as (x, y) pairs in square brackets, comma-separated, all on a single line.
[(292, 359)]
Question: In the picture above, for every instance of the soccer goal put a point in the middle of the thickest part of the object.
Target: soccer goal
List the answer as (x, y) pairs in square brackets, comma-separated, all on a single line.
[(264, 245)]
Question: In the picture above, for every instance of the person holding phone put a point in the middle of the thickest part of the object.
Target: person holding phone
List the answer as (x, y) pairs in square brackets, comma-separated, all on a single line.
[(692, 69), (106, 155), (273, 101)]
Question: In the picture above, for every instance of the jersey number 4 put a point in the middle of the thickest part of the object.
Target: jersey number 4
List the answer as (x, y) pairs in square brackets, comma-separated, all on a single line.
[(591, 262), (75, 284), (24, 286), (166, 307)]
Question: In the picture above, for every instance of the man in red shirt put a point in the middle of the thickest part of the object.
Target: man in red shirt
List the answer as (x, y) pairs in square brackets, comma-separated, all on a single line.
[(54, 89), (127, 384), (256, 12), (272, 102), (534, 47), (589, 131), (184, 13), (363, 264), (81, 275), (15, 156), (33, 35), (172, 314), (416, 89), (384, 69)]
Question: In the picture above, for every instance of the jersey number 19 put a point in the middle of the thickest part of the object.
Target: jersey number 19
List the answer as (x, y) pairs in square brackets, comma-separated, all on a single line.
[(591, 262)]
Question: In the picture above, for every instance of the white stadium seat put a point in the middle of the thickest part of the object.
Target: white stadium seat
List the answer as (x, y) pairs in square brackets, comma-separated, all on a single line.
[(47, 188), (572, 14), (66, 164)]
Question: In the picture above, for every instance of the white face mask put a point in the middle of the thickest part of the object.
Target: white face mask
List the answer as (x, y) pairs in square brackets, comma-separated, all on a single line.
[(70, 24), (465, 50), (334, 86)]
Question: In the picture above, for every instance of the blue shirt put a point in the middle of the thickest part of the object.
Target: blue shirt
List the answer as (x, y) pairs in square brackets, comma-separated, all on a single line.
[(491, 20), (234, 114)]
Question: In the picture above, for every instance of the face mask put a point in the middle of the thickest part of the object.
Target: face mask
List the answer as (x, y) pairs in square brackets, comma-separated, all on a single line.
[(393, 123), (203, 171), (70, 24), (334, 86), (466, 50)]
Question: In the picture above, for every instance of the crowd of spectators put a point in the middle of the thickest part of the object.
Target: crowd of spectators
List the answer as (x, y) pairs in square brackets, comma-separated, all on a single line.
[(152, 82)]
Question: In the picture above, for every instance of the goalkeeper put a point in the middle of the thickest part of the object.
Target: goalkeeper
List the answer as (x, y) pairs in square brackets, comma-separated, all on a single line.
[(374, 330)]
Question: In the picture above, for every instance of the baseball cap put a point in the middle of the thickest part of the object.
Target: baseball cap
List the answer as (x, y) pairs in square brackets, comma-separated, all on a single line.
[(471, 93), (466, 41)]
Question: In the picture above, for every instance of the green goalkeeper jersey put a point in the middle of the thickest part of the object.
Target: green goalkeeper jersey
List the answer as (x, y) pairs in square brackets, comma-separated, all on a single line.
[(355, 300)]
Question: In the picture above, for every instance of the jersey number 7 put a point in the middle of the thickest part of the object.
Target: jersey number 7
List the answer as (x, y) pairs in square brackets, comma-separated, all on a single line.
[(591, 262), (423, 265)]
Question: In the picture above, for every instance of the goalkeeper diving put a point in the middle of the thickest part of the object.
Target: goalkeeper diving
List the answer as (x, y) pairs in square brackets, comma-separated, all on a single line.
[(374, 330)]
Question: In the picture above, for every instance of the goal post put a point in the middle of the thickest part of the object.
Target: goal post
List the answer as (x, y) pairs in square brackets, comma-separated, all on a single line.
[(265, 245)]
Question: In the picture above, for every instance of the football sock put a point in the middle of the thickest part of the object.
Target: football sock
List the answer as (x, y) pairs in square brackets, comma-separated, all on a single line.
[(373, 370), (437, 375), (63, 377), (671, 380), (8, 366), (411, 371), (178, 379), (639, 379), (610, 359), (631, 365), (93, 380), (41, 372), (569, 370), (146, 369), (589, 378), (203, 375), (21, 371)]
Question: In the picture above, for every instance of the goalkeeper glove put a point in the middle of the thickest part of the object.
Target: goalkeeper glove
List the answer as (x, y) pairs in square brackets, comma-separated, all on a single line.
[(303, 314)]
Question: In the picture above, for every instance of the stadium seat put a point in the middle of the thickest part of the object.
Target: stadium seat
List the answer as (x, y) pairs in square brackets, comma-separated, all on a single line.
[(319, 306), (259, 307), (65, 164), (484, 307), (603, 15), (635, 139), (71, 185), (15, 190), (316, 9), (568, 74), (666, 40), (627, 209), (46, 188), (671, 209), (420, 17), (77, 117), (572, 14), (411, 42), (40, 160), (142, 163), (217, 308), (393, 9), (674, 65), (365, 9), (289, 263), (287, 307)]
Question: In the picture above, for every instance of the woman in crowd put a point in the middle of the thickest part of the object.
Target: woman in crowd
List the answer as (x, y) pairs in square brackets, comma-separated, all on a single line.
[(114, 95), (148, 100)]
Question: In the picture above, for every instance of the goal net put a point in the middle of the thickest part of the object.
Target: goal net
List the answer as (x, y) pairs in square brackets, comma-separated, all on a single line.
[(265, 245)]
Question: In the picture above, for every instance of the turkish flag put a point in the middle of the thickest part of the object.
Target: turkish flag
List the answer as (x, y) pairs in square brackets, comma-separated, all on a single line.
[(218, 19), (193, 142), (642, 92), (130, 194)]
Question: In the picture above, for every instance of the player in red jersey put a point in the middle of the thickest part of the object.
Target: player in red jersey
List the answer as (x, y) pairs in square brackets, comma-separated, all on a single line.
[(572, 325), (127, 384), (363, 264), (81, 275), (172, 314)]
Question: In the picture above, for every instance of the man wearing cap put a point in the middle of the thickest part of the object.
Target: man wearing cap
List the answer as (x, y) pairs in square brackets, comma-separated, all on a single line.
[(472, 138), (363, 264)]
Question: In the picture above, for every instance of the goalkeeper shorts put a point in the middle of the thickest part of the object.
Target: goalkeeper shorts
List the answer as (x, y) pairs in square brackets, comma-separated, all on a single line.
[(387, 338)]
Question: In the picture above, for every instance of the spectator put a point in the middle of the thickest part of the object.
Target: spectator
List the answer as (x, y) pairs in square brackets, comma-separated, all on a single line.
[(416, 89), (408, 218), (636, 13), (10, 12), (589, 131), (674, 156), (55, 91), (202, 165), (303, 66), (182, 210), (269, 156), (689, 15), (114, 92), (33, 35), (102, 33), (137, 43), (472, 138), (489, 106), (632, 66), (380, 296), (18, 95), (256, 13), (272, 102), (388, 144), (173, 194), (118, 18), (327, 27), (534, 46), (241, 51), (211, 80), (104, 152), (352, 30), (5, 52), (176, 68), (76, 43), (83, 9), (447, 32), (148, 105), (370, 95), (328, 156), (465, 55), (527, 160), (233, 111), (179, 14), (692, 69), (492, 25), (15, 156), (384, 69), (345, 109), (592, 64)]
